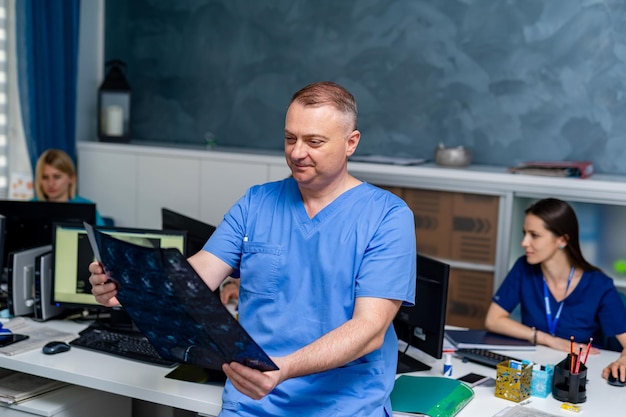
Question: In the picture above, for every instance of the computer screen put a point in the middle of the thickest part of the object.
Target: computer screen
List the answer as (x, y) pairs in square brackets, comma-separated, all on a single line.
[(72, 254), (28, 224), (423, 325), (197, 232)]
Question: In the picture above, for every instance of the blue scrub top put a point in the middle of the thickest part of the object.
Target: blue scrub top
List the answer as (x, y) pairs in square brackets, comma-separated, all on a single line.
[(300, 278), (594, 304)]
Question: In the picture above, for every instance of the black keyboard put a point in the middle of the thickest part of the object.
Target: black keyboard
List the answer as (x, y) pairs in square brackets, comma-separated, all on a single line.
[(125, 345), (483, 357)]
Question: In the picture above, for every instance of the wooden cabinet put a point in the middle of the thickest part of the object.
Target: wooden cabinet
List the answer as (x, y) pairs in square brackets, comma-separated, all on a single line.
[(460, 228)]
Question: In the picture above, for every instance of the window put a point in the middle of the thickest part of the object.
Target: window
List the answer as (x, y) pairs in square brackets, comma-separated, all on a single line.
[(4, 120), (15, 170)]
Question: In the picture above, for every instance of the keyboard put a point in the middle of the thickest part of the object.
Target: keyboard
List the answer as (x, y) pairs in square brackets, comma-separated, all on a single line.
[(126, 345), (483, 357)]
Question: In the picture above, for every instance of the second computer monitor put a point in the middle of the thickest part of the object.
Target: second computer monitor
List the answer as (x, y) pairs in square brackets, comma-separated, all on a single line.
[(423, 325), (198, 232), (72, 254), (28, 224)]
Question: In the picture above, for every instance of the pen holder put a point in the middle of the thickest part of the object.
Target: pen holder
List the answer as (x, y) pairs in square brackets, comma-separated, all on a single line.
[(513, 380), (541, 384), (569, 386)]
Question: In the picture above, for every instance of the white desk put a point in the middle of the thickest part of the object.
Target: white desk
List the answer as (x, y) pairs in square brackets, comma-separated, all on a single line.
[(602, 398), (147, 382), (116, 375)]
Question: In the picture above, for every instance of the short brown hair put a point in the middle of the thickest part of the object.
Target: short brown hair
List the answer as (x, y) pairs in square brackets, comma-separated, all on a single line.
[(328, 92)]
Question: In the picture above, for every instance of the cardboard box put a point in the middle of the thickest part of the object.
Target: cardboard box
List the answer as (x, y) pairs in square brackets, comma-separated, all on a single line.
[(433, 220), (474, 227), (457, 226), (469, 296)]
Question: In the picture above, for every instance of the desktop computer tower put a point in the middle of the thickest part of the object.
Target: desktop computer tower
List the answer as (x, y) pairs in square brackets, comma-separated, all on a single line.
[(44, 307), (21, 280)]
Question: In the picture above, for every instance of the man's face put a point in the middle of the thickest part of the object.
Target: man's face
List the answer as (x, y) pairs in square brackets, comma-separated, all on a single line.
[(318, 142)]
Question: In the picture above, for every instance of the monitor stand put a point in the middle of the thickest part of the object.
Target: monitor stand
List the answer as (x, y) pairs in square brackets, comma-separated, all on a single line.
[(407, 363)]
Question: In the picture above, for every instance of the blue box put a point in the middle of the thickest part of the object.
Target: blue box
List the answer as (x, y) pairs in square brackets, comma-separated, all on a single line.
[(541, 383)]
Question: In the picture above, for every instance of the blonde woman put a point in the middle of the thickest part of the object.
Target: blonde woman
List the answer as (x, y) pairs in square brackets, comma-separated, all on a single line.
[(55, 180)]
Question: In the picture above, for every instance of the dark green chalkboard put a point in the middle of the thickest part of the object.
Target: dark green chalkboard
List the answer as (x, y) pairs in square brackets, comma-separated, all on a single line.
[(512, 80)]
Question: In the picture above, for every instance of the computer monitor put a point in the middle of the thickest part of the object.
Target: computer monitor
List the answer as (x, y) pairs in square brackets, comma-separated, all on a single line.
[(28, 224), (197, 232), (72, 254), (423, 325)]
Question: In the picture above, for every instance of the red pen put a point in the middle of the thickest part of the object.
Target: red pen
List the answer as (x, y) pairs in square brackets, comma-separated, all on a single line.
[(587, 351), (580, 352)]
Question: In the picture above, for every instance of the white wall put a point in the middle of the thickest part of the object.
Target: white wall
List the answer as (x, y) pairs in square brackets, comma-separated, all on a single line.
[(90, 67)]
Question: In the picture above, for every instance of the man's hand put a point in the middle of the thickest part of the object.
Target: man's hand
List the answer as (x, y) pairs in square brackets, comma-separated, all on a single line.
[(252, 382), (103, 289)]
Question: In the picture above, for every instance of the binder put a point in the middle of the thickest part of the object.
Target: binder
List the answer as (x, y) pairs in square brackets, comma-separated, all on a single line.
[(576, 169), (434, 396)]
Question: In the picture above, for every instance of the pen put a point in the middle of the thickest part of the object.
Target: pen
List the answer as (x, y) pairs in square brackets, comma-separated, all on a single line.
[(587, 351), (580, 353), (245, 238)]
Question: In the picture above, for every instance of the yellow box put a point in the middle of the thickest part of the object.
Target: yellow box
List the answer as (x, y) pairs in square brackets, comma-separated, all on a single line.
[(513, 380)]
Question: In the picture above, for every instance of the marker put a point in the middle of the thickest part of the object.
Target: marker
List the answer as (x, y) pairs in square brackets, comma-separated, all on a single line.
[(447, 365)]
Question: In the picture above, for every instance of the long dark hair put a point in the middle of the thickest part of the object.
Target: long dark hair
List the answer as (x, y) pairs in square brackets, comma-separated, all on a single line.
[(560, 219)]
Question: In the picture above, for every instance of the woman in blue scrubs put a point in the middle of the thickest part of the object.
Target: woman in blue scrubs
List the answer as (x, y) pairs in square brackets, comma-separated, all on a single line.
[(561, 295)]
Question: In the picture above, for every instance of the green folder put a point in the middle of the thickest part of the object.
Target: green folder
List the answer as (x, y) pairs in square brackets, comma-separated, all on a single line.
[(434, 396)]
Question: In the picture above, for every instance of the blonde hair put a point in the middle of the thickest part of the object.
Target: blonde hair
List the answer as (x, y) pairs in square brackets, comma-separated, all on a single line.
[(60, 160)]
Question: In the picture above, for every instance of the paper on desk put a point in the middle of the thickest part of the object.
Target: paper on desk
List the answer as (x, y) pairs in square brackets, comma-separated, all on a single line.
[(17, 386), (381, 159), (39, 336), (523, 411)]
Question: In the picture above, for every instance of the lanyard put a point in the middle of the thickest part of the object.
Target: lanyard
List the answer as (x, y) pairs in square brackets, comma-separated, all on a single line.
[(552, 322)]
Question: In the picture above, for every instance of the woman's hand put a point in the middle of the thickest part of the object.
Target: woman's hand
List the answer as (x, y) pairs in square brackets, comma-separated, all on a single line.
[(617, 368)]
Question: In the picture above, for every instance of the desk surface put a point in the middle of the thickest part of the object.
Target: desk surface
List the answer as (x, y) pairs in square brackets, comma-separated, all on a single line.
[(148, 382), (602, 398)]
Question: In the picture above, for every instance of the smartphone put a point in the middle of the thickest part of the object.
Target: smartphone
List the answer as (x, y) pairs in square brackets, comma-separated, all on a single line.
[(473, 379), (9, 339)]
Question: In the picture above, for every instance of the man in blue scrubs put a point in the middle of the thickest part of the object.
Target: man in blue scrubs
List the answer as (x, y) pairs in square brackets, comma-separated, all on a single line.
[(325, 260)]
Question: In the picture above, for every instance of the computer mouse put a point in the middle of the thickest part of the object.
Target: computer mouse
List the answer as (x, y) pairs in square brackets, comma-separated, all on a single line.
[(54, 347), (615, 381)]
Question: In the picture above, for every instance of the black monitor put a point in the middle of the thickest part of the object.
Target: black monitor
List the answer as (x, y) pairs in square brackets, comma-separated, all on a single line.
[(197, 232), (72, 254), (423, 325), (28, 224)]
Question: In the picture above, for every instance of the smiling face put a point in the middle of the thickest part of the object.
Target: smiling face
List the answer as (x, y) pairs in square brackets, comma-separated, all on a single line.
[(539, 243), (56, 184), (318, 141)]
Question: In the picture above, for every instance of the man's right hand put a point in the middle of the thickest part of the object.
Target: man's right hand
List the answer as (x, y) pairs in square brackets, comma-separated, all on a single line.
[(103, 289)]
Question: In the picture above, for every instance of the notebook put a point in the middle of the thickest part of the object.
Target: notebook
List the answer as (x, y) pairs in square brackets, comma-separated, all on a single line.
[(482, 339), (172, 306)]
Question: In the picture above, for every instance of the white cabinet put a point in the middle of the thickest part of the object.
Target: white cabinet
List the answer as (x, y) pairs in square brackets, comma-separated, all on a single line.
[(132, 182), (164, 181)]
